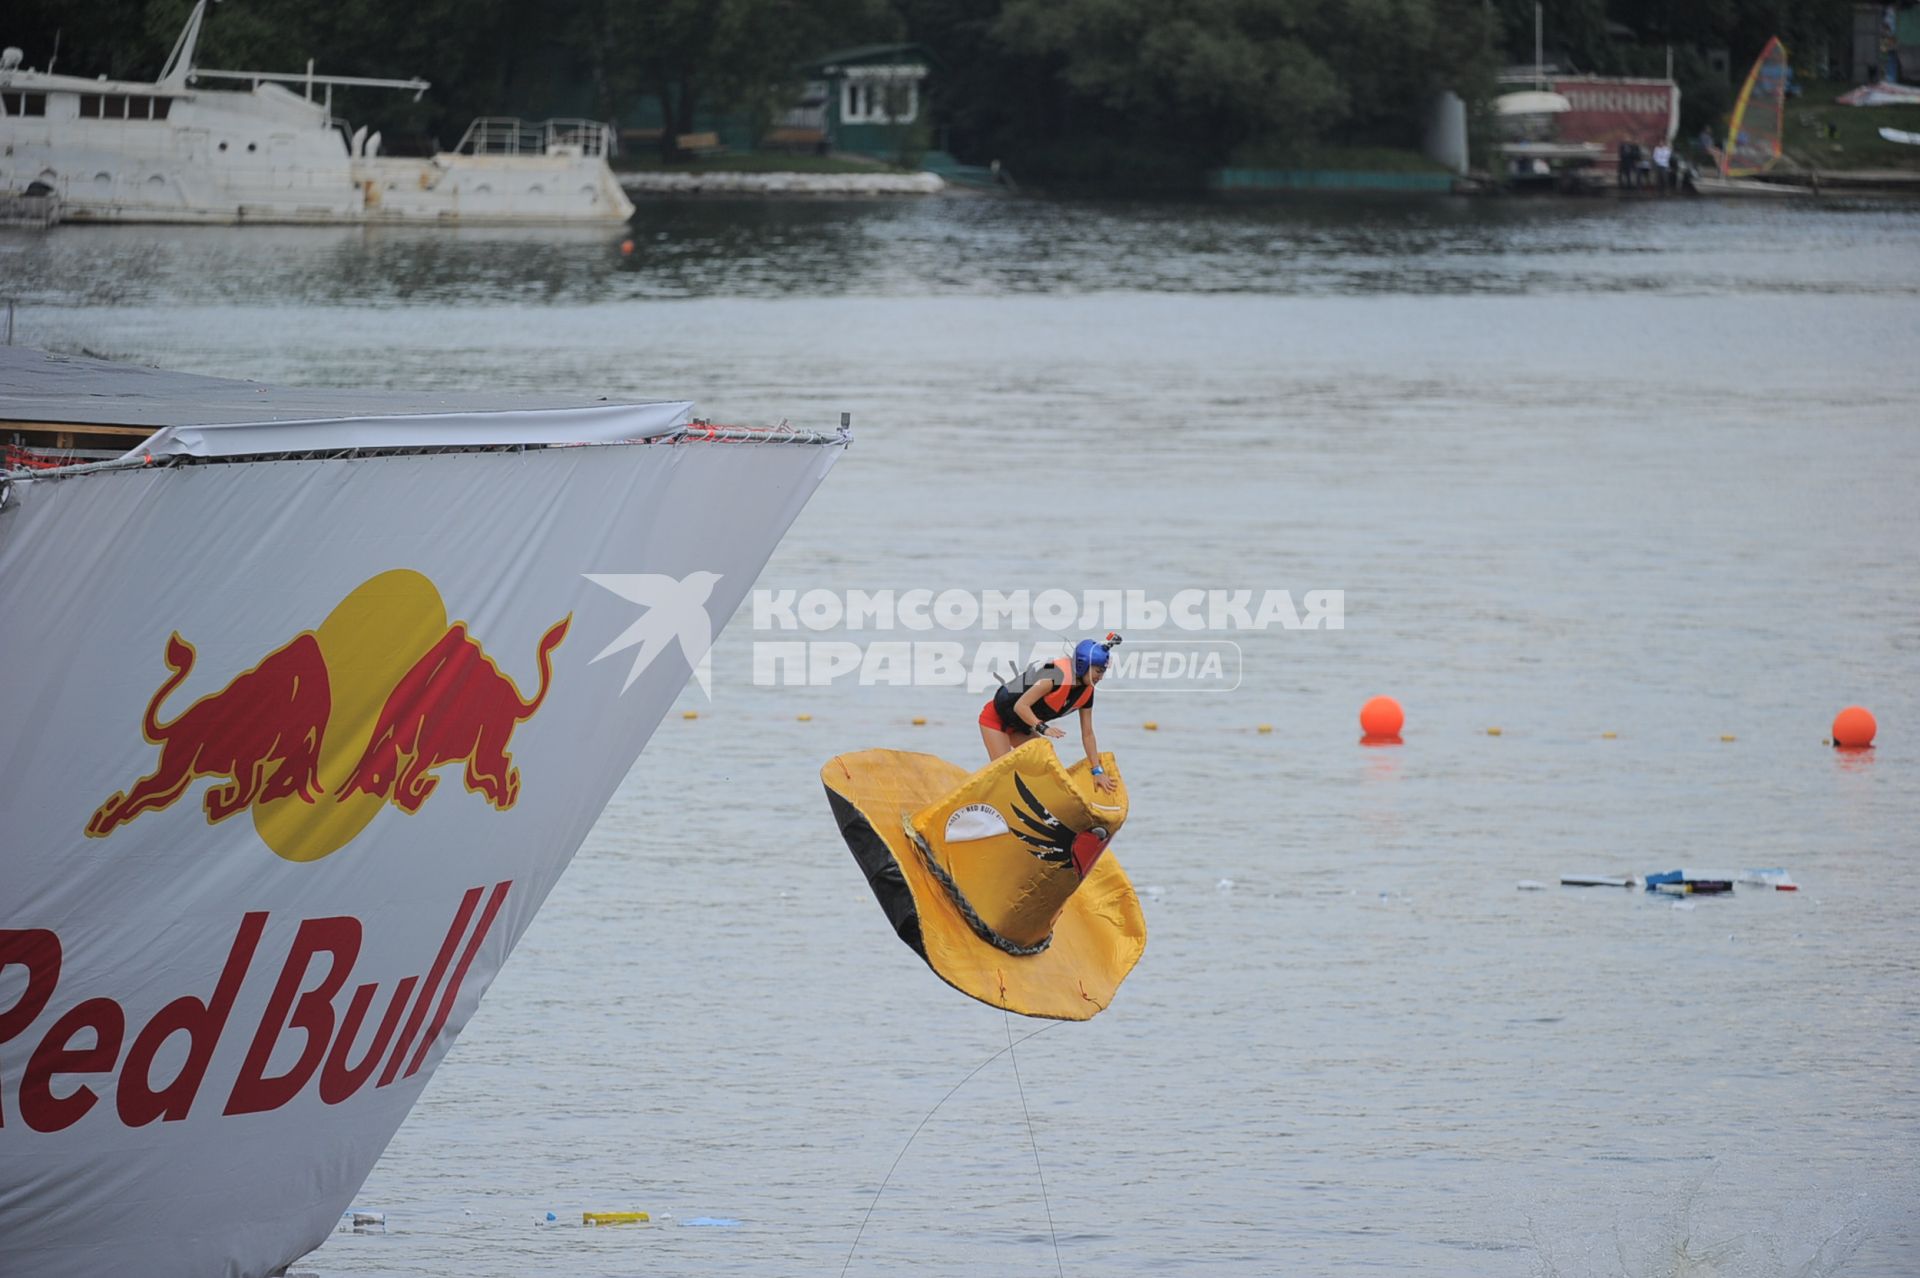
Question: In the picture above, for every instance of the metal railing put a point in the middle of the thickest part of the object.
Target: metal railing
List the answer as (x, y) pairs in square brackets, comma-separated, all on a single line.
[(507, 135)]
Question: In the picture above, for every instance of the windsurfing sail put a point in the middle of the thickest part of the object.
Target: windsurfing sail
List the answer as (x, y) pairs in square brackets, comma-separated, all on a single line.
[(1760, 116)]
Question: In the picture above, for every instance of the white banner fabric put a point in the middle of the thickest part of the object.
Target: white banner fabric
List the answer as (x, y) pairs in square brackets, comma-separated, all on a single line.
[(290, 753)]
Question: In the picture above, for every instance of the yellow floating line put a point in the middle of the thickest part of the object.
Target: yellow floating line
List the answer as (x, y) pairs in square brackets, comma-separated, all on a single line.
[(1608, 736), (804, 718), (614, 1218), (1266, 728), (1151, 726), (1726, 736), (1493, 732), (689, 714), (919, 721)]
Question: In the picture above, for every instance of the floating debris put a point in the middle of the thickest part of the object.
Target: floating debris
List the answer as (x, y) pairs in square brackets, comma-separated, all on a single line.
[(613, 1217), (1695, 887)]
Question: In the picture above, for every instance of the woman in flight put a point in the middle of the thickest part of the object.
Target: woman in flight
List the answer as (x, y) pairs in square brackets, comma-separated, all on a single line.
[(1024, 708)]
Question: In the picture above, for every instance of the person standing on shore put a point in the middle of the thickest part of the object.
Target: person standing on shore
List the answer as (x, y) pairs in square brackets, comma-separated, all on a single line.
[(1663, 168)]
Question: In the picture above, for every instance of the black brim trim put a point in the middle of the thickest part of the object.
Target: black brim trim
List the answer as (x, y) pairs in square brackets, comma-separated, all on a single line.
[(884, 876)]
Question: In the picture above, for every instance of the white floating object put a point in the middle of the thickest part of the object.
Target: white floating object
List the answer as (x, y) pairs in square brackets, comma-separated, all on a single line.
[(1531, 885), (1595, 880)]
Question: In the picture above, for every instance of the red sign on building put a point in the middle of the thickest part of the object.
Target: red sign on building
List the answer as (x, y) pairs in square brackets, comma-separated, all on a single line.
[(1609, 111)]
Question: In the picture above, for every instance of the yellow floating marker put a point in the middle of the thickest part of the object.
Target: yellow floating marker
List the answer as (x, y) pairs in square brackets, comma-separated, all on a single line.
[(919, 721), (1493, 732), (1266, 727), (689, 714), (1151, 726), (1001, 880), (1608, 736), (614, 1218), (804, 718), (1726, 736)]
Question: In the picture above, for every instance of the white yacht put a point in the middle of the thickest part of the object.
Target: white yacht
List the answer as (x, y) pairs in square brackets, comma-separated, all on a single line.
[(175, 150)]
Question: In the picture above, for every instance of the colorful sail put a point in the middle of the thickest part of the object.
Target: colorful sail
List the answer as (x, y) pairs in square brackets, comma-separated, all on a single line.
[(1759, 117)]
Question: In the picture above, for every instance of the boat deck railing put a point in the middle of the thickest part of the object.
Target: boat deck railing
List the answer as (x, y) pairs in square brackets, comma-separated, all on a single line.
[(508, 135)]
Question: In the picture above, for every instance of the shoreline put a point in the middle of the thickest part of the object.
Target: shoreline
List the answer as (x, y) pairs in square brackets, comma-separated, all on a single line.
[(782, 182)]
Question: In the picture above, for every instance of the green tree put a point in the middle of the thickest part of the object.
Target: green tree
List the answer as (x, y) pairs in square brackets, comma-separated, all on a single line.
[(1132, 88), (729, 54), (1205, 74)]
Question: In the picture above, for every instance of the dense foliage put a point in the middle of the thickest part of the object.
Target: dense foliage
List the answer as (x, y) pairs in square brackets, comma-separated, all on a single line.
[(1135, 91)]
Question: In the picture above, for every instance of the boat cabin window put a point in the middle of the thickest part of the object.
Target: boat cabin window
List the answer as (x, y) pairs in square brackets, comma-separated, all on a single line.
[(121, 106), (23, 104)]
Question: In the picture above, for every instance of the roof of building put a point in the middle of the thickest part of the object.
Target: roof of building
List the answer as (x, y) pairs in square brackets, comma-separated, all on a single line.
[(867, 55)]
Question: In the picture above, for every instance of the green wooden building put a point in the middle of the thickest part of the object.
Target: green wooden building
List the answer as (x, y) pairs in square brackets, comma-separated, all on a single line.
[(869, 100)]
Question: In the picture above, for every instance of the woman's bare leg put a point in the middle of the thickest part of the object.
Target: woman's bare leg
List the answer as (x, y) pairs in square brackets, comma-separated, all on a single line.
[(997, 742)]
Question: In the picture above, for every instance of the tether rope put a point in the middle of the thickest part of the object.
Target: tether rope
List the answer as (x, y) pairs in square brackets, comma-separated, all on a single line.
[(929, 1117), (1051, 1233)]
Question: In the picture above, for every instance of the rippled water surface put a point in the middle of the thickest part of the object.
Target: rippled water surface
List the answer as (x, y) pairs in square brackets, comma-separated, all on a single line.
[(1580, 468)]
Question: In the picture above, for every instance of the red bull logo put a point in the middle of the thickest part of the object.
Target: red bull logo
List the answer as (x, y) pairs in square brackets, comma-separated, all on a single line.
[(416, 734), (363, 710), (261, 732)]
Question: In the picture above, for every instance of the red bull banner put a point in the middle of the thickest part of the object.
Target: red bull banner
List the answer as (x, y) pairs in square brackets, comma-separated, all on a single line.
[(293, 751), (1611, 110)]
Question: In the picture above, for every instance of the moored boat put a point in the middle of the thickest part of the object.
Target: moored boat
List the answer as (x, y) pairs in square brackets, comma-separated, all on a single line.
[(176, 150)]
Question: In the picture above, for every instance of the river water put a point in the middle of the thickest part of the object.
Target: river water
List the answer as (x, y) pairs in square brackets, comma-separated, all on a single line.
[(1579, 468)]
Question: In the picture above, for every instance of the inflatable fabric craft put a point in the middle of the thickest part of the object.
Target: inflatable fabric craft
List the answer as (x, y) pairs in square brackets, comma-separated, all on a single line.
[(1001, 880)]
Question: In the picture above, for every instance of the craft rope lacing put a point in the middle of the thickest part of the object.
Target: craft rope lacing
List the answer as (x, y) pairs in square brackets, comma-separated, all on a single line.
[(979, 925)]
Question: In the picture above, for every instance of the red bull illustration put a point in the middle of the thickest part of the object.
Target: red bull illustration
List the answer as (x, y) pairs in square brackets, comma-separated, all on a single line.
[(261, 732), (454, 706), (327, 729)]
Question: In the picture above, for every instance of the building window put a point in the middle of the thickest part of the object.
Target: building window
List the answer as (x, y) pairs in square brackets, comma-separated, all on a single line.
[(880, 99)]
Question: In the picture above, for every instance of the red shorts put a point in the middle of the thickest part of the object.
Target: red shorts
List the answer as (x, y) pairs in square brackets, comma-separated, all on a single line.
[(990, 718)]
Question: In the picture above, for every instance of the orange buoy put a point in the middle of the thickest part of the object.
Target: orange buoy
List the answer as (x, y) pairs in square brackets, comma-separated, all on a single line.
[(1381, 718), (626, 247), (1853, 728)]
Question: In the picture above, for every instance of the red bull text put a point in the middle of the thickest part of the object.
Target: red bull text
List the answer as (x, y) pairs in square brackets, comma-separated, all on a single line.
[(337, 1056)]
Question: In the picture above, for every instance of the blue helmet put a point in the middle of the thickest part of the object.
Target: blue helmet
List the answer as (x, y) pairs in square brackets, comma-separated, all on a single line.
[(1089, 653)]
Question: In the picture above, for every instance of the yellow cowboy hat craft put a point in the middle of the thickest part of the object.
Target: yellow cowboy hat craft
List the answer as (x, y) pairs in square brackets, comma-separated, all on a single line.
[(1001, 880)]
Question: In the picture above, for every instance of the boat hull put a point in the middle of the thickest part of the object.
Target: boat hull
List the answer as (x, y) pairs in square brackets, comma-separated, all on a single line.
[(270, 156), (296, 749)]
